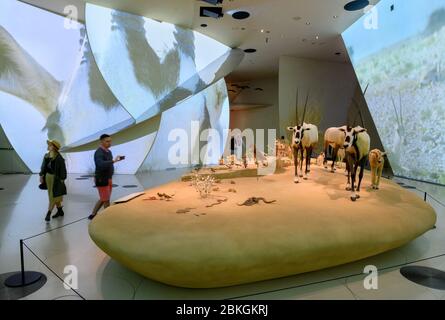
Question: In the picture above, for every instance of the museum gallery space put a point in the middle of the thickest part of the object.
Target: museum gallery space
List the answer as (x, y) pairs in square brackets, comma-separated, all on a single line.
[(222, 149)]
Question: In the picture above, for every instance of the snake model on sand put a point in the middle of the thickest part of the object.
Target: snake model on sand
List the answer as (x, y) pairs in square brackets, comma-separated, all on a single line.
[(254, 200)]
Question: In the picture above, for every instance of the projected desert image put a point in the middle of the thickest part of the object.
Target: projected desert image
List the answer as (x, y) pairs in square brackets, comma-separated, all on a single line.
[(400, 66)]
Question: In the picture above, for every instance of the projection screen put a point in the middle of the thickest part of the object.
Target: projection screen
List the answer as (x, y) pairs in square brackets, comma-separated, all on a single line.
[(399, 53)]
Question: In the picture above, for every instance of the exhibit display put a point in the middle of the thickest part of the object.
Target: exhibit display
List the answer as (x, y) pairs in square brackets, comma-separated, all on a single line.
[(267, 228), (398, 54), (174, 141)]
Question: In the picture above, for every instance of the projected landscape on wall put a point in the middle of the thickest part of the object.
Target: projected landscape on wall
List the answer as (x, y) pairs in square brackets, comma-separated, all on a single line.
[(402, 63), (115, 72)]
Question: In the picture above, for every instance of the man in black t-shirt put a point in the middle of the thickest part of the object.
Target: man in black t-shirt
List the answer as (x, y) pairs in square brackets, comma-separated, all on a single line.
[(103, 159)]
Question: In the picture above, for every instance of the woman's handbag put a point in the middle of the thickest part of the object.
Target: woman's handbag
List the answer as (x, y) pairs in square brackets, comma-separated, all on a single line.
[(43, 185)]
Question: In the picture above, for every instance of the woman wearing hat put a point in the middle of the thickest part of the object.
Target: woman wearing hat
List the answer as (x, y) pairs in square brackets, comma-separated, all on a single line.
[(53, 172)]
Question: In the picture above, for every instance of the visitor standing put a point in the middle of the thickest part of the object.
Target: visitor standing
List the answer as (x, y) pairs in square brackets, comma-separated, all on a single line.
[(103, 159)]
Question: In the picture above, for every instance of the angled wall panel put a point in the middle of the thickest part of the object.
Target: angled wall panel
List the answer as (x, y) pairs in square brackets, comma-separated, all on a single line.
[(51, 88)]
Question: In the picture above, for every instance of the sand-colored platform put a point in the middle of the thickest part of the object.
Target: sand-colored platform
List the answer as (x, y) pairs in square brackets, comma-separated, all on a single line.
[(312, 225)]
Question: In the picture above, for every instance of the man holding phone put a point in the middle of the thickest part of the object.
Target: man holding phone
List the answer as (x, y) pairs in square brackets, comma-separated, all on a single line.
[(103, 158)]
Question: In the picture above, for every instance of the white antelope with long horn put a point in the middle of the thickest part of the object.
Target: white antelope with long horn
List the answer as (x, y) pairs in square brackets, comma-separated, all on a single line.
[(304, 139), (357, 145)]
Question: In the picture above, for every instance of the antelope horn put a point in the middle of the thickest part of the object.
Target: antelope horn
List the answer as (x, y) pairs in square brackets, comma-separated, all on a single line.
[(395, 110), (400, 109), (296, 110), (366, 89), (305, 106)]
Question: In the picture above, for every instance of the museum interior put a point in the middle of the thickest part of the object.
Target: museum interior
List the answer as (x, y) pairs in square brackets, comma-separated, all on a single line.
[(222, 149)]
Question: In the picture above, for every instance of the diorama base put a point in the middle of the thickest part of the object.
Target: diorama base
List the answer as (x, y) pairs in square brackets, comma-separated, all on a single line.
[(257, 228)]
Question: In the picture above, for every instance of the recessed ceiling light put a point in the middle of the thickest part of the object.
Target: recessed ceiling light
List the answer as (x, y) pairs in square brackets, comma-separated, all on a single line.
[(308, 23), (262, 30), (335, 17), (241, 15), (296, 18), (356, 5), (250, 50), (317, 37), (204, 25), (338, 53)]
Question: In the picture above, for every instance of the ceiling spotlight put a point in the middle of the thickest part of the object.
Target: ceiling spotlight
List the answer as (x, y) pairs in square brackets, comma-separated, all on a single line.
[(214, 2), (204, 25), (335, 17), (317, 37), (356, 5), (250, 50), (308, 23), (262, 30), (241, 15)]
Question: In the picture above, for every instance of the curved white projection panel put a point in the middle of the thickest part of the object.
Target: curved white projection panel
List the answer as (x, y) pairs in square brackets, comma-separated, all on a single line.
[(51, 88), (399, 55), (151, 66), (207, 110), (132, 77)]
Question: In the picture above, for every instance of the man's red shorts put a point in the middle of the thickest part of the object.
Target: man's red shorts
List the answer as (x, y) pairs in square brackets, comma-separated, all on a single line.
[(105, 192)]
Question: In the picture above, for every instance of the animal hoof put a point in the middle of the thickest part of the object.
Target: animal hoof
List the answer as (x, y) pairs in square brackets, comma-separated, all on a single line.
[(377, 188), (296, 180), (353, 198), (301, 176), (348, 188), (305, 178), (357, 196)]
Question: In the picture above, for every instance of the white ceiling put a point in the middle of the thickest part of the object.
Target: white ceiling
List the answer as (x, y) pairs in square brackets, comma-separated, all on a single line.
[(284, 19)]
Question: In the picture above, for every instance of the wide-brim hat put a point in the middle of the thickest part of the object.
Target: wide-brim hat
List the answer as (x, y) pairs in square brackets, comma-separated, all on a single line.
[(55, 143)]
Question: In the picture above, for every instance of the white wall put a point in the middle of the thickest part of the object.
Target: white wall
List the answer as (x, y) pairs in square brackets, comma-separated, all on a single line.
[(256, 109), (331, 86)]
